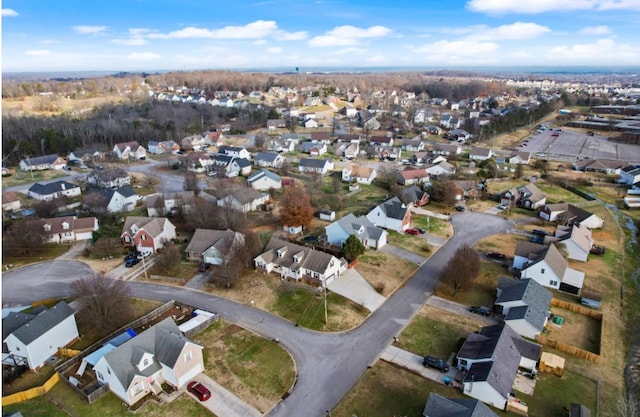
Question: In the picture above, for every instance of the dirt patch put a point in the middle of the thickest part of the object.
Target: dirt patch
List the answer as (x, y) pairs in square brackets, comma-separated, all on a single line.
[(385, 272), (577, 330), (101, 265)]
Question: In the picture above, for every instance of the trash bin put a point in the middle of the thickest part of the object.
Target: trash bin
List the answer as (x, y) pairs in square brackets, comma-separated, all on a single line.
[(447, 380)]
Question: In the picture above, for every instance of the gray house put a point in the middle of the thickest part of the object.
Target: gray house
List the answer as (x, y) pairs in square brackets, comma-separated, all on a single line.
[(524, 305), (438, 406)]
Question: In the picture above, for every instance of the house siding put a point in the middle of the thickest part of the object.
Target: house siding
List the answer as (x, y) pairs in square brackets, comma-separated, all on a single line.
[(486, 393)]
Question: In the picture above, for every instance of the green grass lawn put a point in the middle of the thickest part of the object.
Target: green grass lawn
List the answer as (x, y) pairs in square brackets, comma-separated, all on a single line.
[(49, 252), (434, 226), (24, 177), (553, 393), (426, 336), (412, 243), (483, 290)]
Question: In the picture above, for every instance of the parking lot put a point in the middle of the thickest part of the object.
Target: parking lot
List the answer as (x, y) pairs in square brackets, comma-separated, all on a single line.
[(570, 145)]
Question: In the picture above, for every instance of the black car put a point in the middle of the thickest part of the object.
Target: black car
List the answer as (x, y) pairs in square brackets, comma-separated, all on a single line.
[(496, 255), (436, 363), (482, 311), (130, 262), (459, 208), (204, 266), (420, 230)]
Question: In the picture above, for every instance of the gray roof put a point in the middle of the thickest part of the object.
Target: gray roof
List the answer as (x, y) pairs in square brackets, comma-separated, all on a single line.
[(570, 212), (394, 208), (504, 347), (411, 194), (313, 163), (51, 188), (243, 162), (163, 340), (361, 227), (313, 260), (438, 406), (245, 195), (42, 322), (41, 160), (266, 156), (204, 239), (535, 297), (151, 225), (263, 173), (529, 250)]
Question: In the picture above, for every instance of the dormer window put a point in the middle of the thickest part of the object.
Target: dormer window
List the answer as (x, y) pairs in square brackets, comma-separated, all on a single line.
[(47, 227), (65, 225), (298, 257), (281, 252)]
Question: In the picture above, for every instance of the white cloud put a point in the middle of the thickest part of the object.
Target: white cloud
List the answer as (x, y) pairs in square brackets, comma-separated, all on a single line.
[(9, 13), (130, 41), (514, 31), (291, 36), (274, 50), (260, 42), (254, 30), (595, 30), (377, 59), (348, 35), (543, 6), (89, 30), (38, 52), (606, 50), (49, 41), (458, 48), (143, 56), (350, 51)]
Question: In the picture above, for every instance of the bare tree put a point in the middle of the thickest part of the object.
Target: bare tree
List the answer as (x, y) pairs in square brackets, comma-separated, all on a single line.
[(191, 182), (24, 237), (461, 270), (168, 258), (103, 302)]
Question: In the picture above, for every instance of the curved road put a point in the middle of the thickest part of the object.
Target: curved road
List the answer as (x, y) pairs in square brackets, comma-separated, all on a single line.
[(328, 364)]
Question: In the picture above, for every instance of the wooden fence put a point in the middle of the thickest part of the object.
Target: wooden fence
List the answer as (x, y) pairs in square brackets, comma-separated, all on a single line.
[(32, 392), (570, 349), (585, 311)]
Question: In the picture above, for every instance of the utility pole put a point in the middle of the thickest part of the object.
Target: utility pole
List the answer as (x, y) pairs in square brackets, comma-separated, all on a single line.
[(144, 266), (326, 316)]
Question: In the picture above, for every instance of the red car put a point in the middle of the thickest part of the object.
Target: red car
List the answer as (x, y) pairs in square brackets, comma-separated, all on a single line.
[(412, 231), (199, 390)]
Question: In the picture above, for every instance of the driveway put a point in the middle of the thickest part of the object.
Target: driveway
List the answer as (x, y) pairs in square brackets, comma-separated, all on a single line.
[(223, 402), (429, 213), (413, 362), (404, 254), (76, 250), (353, 286), (460, 309)]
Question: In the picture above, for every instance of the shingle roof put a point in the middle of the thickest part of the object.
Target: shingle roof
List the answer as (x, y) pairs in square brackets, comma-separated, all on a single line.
[(204, 239), (246, 195), (529, 250), (43, 322), (313, 163), (535, 297), (438, 406), (51, 188), (152, 225), (266, 156), (41, 160), (360, 226), (411, 194), (394, 208), (163, 340), (263, 173), (313, 260)]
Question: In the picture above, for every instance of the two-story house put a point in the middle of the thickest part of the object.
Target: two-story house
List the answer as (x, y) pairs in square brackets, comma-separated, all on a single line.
[(147, 234), (391, 214)]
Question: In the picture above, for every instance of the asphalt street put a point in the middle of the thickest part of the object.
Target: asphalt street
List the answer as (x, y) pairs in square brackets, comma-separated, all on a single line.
[(328, 365)]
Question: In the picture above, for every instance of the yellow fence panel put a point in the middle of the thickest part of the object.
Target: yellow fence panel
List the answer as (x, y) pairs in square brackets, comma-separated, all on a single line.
[(31, 393)]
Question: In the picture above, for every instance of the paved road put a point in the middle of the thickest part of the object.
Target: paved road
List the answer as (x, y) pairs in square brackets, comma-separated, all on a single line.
[(327, 365)]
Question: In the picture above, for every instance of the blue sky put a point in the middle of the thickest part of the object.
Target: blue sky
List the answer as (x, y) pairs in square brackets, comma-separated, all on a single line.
[(45, 35)]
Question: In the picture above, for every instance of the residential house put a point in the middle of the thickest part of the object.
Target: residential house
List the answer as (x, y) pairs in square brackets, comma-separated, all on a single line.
[(433, 130), (264, 180), (419, 158), (165, 146), (605, 166), (193, 143), (53, 190), (446, 149), (235, 151), (414, 196), (371, 236), (381, 140), (348, 138), (130, 150), (159, 355), (440, 169), (629, 175), (527, 196), (351, 151), (109, 178), (30, 339), (468, 189), (412, 176), (322, 137), (215, 247), (40, 163), (159, 205), (445, 120), (315, 166), (459, 135), (214, 138), (310, 123), (281, 145), (147, 234), (567, 214), (524, 303), (348, 110), (111, 200), (313, 148), (391, 214), (438, 406), (490, 360), (68, 229), (87, 157), (547, 266), (244, 199), (276, 124), (269, 160), (412, 145), (297, 262), (480, 154), (199, 162), (242, 165), (10, 202), (359, 174), (575, 240), (367, 120), (520, 158)]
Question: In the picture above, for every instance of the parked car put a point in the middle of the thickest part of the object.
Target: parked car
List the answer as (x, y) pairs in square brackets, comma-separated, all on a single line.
[(66, 168), (436, 363), (501, 207), (204, 266), (496, 255), (597, 250), (199, 390), (540, 232), (131, 262), (412, 231), (421, 230), (482, 311), (460, 208)]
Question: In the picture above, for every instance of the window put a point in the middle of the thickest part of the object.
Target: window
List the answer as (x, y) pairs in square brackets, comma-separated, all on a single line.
[(187, 356), (108, 371), (137, 388), (143, 237), (127, 239), (100, 376), (145, 362), (542, 271), (553, 283)]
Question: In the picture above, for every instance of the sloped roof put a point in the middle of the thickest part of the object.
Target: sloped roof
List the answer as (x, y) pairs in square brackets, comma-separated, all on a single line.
[(151, 225), (529, 250), (266, 156), (360, 226), (133, 145), (413, 173), (51, 188), (313, 163), (263, 173), (412, 194), (42, 322), (360, 171), (570, 212), (41, 160), (245, 195), (394, 208), (438, 406), (535, 297), (9, 197), (581, 236), (204, 239), (163, 340), (313, 260)]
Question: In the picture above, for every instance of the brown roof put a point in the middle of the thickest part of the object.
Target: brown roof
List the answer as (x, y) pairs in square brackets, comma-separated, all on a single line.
[(310, 259), (529, 250), (152, 225), (133, 145), (412, 173), (56, 224), (203, 239), (361, 171), (9, 197)]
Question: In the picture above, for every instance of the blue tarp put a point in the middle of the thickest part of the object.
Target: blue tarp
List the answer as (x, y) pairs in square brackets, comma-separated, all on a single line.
[(121, 338), (94, 357)]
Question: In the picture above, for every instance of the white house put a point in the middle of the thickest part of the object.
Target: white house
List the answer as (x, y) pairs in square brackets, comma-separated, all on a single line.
[(520, 158), (235, 151), (490, 360), (53, 190), (147, 234), (193, 143), (358, 173), (10, 201), (524, 304), (199, 162), (566, 214), (480, 154), (40, 163), (576, 241), (164, 204), (127, 150), (161, 354), (528, 196), (549, 268), (244, 199), (165, 146), (370, 235), (109, 178), (315, 166), (110, 200), (215, 247), (269, 160), (32, 338), (442, 168), (391, 214), (68, 228), (629, 175), (264, 180), (313, 148), (297, 262)]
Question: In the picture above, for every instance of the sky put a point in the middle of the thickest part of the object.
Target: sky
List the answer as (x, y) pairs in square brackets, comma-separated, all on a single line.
[(147, 35)]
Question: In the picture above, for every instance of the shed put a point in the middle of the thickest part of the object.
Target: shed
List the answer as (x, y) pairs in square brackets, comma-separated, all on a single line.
[(591, 299), (551, 363), (579, 410), (328, 215)]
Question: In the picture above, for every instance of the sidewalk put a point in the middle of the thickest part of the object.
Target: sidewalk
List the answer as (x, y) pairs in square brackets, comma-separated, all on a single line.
[(404, 254), (353, 286), (460, 309), (223, 402)]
